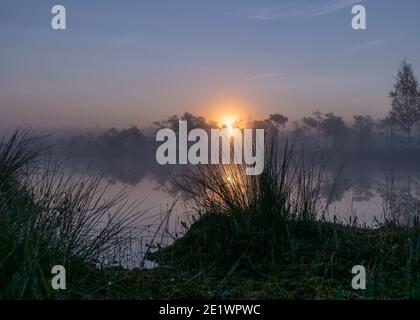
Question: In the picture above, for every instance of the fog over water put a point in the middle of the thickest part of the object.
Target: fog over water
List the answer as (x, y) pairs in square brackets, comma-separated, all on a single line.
[(357, 184)]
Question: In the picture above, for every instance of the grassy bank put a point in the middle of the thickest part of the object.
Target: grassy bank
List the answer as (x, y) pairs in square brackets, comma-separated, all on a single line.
[(266, 237), (252, 236), (306, 260), (48, 218)]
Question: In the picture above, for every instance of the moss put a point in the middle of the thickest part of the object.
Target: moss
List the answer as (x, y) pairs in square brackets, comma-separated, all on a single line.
[(302, 260)]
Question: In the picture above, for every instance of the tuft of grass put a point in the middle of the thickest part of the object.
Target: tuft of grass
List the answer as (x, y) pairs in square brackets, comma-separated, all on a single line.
[(253, 214), (48, 218), (268, 234)]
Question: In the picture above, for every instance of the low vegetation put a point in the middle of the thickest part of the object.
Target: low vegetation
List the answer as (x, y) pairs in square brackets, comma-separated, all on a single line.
[(252, 236), (266, 237), (47, 219)]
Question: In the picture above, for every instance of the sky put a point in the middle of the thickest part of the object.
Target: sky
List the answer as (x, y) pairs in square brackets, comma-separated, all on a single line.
[(128, 62)]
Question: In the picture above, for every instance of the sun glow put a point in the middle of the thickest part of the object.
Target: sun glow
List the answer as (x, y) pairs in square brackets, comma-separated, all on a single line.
[(229, 124), (227, 111)]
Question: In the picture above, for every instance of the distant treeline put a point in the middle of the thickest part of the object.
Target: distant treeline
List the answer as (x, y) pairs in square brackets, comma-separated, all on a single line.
[(399, 129), (111, 143)]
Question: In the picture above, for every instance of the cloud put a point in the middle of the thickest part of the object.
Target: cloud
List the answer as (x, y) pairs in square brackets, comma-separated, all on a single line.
[(358, 47), (299, 9), (337, 5), (263, 76)]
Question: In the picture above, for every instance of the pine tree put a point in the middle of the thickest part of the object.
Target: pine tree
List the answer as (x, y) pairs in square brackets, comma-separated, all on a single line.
[(405, 100)]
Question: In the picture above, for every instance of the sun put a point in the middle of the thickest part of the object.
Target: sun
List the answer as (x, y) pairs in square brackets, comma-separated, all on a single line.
[(229, 124)]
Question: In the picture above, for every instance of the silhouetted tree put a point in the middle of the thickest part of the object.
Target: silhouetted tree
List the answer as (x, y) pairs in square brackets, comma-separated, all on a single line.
[(388, 125), (363, 130), (334, 128), (194, 122), (278, 120), (314, 123), (117, 142), (261, 124), (298, 129), (405, 100)]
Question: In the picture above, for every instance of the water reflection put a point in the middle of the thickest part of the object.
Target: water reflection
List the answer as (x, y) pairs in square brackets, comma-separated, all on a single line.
[(369, 191)]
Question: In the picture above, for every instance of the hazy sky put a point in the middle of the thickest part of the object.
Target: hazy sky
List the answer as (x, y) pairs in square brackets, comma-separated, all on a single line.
[(137, 61)]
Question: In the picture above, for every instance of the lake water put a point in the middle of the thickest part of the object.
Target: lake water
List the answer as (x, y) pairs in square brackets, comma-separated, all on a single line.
[(360, 189), (363, 191)]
